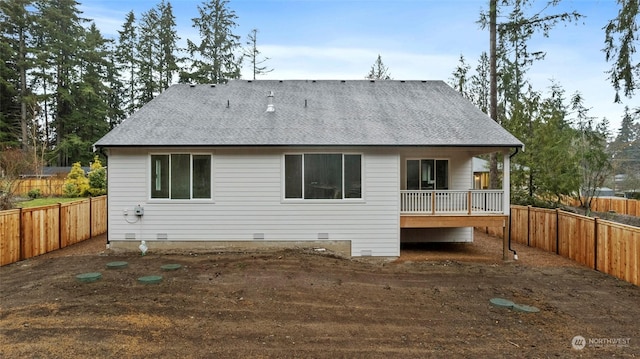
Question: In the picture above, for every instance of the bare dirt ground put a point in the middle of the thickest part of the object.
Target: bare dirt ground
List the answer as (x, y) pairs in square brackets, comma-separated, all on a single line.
[(431, 302)]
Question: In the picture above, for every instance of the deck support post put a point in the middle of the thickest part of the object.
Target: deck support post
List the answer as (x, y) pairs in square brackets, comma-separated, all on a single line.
[(506, 204)]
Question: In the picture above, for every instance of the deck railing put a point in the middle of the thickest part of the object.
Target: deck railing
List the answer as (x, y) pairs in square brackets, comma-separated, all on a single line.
[(451, 202)]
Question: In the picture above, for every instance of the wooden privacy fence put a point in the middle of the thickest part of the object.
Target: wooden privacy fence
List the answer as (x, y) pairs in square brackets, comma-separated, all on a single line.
[(605, 246), (29, 232), (50, 186), (619, 205)]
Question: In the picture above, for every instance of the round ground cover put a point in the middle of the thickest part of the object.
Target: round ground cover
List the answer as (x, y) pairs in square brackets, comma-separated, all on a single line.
[(150, 279), (170, 267), (117, 265), (525, 308), (88, 277), (500, 302)]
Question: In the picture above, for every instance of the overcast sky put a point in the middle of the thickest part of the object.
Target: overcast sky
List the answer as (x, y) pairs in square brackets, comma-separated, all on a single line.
[(417, 39)]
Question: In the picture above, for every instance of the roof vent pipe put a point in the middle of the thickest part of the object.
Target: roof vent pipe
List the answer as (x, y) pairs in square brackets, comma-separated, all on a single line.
[(270, 106)]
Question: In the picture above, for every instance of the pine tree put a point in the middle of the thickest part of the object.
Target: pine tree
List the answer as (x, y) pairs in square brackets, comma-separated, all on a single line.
[(90, 93), (460, 79), (214, 58), (168, 38), (61, 29), (148, 49), (590, 150), (479, 88), (253, 54), (621, 39), (553, 167), (378, 71), (126, 56), (625, 150), (516, 57), (16, 25), (116, 97)]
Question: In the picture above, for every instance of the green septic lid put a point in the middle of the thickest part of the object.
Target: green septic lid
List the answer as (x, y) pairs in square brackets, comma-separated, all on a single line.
[(525, 308), (117, 265), (150, 279), (89, 277), (173, 266), (500, 302)]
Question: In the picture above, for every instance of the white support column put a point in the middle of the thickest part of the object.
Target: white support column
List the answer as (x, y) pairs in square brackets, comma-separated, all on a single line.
[(506, 179)]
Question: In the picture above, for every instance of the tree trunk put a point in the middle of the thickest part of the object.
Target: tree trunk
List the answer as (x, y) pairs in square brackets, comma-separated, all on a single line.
[(493, 89), (23, 92)]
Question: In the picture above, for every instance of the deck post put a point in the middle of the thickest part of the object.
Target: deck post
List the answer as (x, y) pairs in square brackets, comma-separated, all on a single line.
[(433, 202), (506, 202)]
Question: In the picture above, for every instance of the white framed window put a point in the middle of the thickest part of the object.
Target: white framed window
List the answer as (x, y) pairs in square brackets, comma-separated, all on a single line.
[(180, 176), (323, 176), (427, 174)]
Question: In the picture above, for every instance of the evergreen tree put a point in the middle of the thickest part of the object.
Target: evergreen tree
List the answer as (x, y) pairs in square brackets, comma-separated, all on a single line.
[(460, 79), (214, 58), (621, 39), (625, 151), (552, 162), (16, 24), (378, 71), (473, 86), (590, 150), (253, 54), (89, 119), (148, 49), (61, 27), (126, 56), (516, 57), (168, 38), (479, 87), (116, 98)]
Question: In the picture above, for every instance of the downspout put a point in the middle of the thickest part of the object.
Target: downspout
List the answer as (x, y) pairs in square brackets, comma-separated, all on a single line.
[(515, 255)]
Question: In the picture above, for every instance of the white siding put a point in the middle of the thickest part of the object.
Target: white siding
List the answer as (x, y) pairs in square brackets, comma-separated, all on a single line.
[(247, 191)]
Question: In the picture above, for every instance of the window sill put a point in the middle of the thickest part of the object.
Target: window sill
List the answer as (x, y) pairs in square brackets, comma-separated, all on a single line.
[(181, 201)]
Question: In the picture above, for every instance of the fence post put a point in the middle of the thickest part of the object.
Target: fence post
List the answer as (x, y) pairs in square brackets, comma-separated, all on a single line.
[(557, 231), (528, 226), (59, 225), (595, 243), (21, 231), (90, 217)]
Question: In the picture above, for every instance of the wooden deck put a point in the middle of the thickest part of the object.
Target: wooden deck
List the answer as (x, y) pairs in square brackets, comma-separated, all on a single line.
[(452, 208), (453, 220)]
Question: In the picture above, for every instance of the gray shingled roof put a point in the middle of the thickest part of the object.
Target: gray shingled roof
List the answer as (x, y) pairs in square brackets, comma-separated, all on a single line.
[(359, 112)]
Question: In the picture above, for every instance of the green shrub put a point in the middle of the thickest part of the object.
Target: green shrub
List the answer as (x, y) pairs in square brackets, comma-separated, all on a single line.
[(97, 179), (76, 184), (34, 193)]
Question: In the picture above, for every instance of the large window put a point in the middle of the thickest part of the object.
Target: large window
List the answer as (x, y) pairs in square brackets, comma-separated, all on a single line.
[(427, 174), (323, 176), (181, 176)]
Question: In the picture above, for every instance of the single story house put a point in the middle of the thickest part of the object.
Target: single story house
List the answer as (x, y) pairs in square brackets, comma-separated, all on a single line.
[(354, 166)]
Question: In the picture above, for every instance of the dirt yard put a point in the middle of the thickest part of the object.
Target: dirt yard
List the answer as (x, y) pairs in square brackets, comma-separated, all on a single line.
[(434, 301)]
